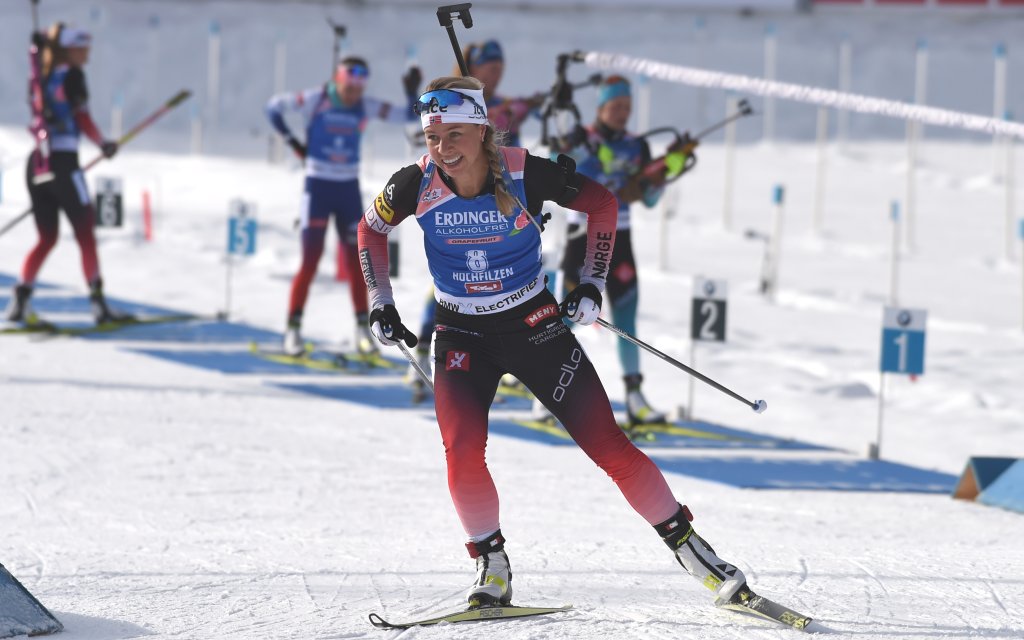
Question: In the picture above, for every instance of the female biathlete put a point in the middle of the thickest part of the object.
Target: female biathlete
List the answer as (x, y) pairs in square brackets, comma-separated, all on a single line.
[(474, 200), (66, 101), (335, 115), (486, 62), (612, 156)]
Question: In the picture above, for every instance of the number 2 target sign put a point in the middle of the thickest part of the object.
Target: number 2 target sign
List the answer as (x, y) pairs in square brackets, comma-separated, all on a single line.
[(708, 311)]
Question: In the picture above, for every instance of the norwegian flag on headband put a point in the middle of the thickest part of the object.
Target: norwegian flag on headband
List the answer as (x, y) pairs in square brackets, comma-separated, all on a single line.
[(435, 119)]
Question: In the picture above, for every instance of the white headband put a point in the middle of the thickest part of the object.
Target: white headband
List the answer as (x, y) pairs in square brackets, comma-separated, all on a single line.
[(71, 38), (472, 111)]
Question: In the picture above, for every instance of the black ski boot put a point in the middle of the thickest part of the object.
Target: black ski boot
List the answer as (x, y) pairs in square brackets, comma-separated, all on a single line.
[(699, 559), (19, 310), (293, 343), (101, 313)]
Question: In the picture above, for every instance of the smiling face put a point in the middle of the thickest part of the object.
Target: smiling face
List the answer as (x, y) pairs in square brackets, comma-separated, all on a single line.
[(458, 149)]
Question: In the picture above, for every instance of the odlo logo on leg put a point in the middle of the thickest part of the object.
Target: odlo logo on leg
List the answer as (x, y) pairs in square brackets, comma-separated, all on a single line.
[(568, 370), (456, 361)]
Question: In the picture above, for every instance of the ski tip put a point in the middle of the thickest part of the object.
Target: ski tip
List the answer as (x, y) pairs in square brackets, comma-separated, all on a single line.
[(378, 621), (813, 626)]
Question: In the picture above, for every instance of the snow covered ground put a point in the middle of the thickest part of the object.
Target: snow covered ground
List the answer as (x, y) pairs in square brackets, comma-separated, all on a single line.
[(144, 497)]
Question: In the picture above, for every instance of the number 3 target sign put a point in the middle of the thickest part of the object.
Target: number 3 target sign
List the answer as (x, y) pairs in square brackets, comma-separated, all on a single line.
[(903, 333), (707, 315)]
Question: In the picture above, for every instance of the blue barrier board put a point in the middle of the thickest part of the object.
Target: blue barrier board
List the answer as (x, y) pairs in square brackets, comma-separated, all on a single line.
[(803, 474), (1006, 491)]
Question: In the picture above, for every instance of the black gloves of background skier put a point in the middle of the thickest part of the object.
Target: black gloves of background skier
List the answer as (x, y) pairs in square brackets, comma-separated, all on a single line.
[(411, 80), (297, 147), (582, 305), (570, 141), (109, 148), (386, 325)]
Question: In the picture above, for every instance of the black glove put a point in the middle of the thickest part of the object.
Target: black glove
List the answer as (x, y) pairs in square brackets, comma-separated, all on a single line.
[(582, 305), (576, 137), (411, 81), (297, 147), (39, 39), (109, 148), (386, 325)]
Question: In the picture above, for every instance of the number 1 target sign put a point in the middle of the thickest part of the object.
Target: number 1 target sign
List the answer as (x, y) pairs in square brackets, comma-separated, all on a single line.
[(903, 332), (708, 310)]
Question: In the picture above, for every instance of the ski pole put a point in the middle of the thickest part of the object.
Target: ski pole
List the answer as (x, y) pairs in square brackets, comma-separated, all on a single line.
[(444, 18), (744, 110), (416, 365), (177, 99), (758, 406)]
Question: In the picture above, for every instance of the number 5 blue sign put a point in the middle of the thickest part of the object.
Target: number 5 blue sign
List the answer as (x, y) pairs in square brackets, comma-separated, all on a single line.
[(241, 236), (903, 332)]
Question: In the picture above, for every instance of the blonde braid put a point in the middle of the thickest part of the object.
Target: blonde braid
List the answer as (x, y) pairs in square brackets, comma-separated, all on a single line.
[(506, 201)]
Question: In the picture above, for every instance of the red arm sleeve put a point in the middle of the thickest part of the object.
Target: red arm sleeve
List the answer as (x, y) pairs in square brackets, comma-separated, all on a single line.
[(88, 127), (373, 260), (602, 211)]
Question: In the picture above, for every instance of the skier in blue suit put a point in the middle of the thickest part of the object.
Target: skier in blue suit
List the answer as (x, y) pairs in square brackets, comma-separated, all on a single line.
[(335, 116)]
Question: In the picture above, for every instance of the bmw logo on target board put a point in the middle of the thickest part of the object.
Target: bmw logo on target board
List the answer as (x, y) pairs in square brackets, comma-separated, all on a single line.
[(708, 310), (903, 332)]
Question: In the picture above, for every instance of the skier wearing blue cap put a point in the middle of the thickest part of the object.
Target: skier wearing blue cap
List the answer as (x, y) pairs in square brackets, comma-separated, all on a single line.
[(612, 156), (486, 62)]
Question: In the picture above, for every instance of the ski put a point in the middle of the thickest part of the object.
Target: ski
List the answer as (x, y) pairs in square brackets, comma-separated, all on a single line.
[(477, 614), (640, 432), (747, 602), (45, 329), (325, 360), (35, 326), (106, 327), (370, 360)]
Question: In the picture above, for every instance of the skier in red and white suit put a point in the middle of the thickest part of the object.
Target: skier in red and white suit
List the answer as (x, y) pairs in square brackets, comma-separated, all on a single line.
[(474, 200)]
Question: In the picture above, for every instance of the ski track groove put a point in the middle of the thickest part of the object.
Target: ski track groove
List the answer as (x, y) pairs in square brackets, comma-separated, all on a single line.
[(925, 585), (30, 502), (803, 574), (871, 575), (998, 599), (309, 594)]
